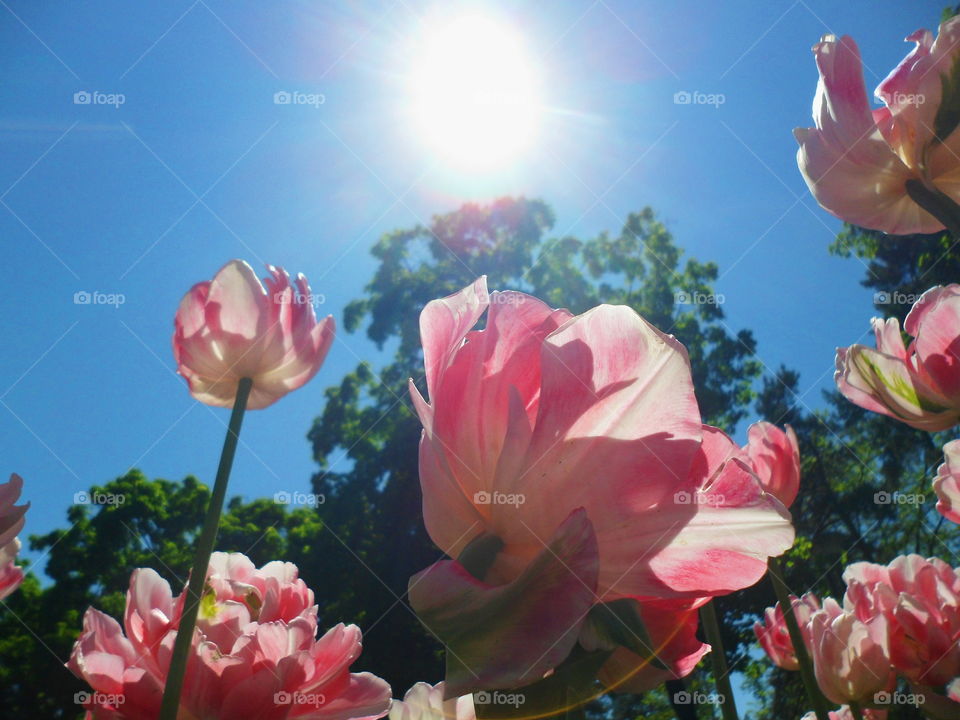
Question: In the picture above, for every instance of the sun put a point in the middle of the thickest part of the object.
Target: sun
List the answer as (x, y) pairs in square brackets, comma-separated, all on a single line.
[(475, 93)]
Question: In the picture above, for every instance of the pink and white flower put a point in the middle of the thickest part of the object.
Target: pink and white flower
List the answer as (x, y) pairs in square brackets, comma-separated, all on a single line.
[(233, 327), (918, 385), (572, 449), (947, 483), (845, 713), (774, 455), (774, 637), (255, 652), (857, 161), (11, 523), (920, 601), (426, 702), (850, 657)]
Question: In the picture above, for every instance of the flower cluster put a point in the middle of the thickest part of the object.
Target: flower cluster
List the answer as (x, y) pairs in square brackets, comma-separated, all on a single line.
[(255, 651), (902, 619)]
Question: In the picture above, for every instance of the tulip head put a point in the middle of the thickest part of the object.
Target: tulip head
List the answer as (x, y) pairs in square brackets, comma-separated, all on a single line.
[(235, 327)]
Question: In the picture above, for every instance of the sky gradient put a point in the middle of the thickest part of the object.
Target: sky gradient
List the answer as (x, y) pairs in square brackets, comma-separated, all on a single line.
[(199, 165)]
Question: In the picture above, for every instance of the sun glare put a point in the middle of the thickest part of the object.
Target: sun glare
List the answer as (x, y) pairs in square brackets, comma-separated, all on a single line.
[(475, 93)]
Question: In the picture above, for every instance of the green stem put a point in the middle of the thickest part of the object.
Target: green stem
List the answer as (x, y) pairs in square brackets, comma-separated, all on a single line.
[(856, 711), (796, 638), (198, 574), (575, 708), (937, 203), (721, 673)]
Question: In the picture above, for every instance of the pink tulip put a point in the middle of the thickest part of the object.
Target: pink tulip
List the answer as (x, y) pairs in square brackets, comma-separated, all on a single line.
[(920, 384), (577, 444), (425, 702), (947, 483), (844, 713), (11, 575), (775, 638), (850, 657), (232, 328), (255, 651), (672, 627), (11, 516), (857, 161), (920, 601), (11, 523), (774, 456)]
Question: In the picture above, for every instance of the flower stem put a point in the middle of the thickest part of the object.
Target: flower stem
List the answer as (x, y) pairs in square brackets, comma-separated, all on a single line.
[(198, 574), (937, 203), (721, 673), (856, 711), (796, 638)]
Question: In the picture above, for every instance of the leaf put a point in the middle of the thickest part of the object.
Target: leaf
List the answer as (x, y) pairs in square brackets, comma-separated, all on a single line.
[(618, 624), (506, 636), (948, 114), (571, 685)]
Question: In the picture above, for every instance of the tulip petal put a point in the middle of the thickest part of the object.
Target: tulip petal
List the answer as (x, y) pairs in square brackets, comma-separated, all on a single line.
[(730, 528), (508, 636), (451, 517), (934, 321), (472, 403), (237, 299), (444, 324), (947, 483), (617, 429), (365, 697), (11, 516), (775, 458), (885, 384)]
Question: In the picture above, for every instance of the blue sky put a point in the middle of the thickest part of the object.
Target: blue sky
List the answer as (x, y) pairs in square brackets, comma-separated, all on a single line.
[(198, 165)]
